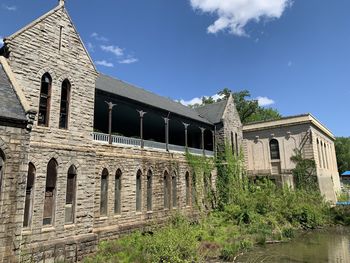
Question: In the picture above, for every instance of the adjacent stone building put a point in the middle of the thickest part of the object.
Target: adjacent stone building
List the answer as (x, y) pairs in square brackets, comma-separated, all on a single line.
[(85, 157)]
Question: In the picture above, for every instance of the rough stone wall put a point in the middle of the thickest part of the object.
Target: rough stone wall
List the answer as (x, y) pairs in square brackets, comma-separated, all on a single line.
[(231, 123), (14, 145)]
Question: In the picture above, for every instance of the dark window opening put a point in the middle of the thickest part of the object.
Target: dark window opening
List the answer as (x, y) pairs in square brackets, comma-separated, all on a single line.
[(2, 164), (117, 192), (236, 141), (167, 191), (29, 196), (232, 144), (50, 193), (274, 150), (193, 189), (149, 191), (187, 178), (45, 100), (64, 110), (70, 195), (174, 190), (104, 193), (138, 191)]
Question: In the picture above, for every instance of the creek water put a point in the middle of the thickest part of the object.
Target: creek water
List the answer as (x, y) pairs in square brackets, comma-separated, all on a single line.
[(320, 246)]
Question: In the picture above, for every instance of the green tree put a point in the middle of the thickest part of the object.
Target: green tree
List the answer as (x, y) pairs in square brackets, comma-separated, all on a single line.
[(342, 148)]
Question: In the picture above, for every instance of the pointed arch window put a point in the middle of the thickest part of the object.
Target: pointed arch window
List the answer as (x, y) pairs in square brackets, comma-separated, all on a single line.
[(104, 193), (65, 98), (174, 190), (149, 190), (117, 192), (274, 150), (2, 165), (45, 100), (188, 198), (167, 190), (50, 192), (138, 191), (28, 205), (193, 189), (71, 194)]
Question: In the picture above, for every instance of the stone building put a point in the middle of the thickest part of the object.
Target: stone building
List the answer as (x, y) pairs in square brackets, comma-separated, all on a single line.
[(74, 169), (269, 146)]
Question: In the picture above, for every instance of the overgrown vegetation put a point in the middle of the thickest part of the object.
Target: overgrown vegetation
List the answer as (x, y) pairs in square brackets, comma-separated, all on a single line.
[(342, 148), (235, 217)]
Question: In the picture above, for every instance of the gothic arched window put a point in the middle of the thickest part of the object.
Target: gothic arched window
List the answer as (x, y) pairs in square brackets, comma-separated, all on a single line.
[(2, 165), (71, 194), (104, 193), (274, 150), (117, 192), (50, 192), (174, 189), (29, 195), (64, 110), (138, 191), (167, 191), (188, 198), (149, 190), (45, 100)]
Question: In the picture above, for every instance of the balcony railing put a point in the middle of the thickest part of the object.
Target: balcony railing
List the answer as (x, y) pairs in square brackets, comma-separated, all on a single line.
[(121, 140)]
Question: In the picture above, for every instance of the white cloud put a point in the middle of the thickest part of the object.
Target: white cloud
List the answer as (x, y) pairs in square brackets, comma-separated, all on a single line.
[(265, 101), (90, 47), (234, 15), (98, 37), (9, 8), (128, 61), (198, 100), (104, 63), (113, 49)]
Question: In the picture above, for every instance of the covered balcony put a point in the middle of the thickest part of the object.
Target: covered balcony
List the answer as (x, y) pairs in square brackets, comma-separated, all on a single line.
[(128, 116)]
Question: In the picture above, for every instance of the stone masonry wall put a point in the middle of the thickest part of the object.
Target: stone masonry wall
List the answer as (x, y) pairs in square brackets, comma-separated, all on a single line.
[(14, 144)]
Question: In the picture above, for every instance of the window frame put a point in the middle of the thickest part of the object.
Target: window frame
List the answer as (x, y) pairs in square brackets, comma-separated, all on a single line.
[(67, 102), (48, 100)]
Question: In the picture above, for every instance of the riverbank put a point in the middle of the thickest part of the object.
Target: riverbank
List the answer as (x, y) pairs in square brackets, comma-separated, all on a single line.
[(259, 214)]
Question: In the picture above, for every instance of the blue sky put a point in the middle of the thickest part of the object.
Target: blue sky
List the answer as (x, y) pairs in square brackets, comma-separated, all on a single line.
[(294, 53)]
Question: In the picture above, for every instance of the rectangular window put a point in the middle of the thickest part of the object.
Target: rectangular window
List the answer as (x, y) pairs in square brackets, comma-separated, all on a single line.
[(117, 192), (29, 196), (70, 195)]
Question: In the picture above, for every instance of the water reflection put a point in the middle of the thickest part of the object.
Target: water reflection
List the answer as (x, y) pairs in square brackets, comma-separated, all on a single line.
[(331, 245)]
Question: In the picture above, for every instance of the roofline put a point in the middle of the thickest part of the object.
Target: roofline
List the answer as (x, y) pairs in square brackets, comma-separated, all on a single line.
[(288, 121), (41, 18), (17, 88), (204, 121)]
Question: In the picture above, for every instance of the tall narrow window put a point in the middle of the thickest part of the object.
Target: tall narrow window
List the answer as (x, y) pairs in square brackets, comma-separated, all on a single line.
[(174, 189), (274, 150), (326, 155), (28, 205), (319, 154), (323, 156), (50, 193), (193, 189), (64, 110), (187, 179), (205, 185), (236, 142), (2, 164), (138, 191), (118, 192), (166, 192), (70, 194), (104, 193), (232, 144), (45, 100), (149, 190)]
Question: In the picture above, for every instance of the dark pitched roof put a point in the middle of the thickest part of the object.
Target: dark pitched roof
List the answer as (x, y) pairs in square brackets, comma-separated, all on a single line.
[(10, 106), (212, 112), (123, 89)]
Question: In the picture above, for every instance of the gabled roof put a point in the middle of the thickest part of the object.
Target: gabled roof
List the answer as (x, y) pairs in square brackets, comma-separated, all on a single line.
[(126, 90), (213, 112), (10, 106)]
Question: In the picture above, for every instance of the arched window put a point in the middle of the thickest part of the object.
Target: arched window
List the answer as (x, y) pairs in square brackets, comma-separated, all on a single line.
[(174, 189), (149, 190), (319, 154), (187, 179), (117, 192), (232, 144), (104, 193), (274, 150), (2, 165), (205, 185), (29, 196), (71, 194), (237, 146), (326, 155), (64, 110), (45, 100), (138, 191), (167, 190), (323, 156), (193, 189), (50, 193)]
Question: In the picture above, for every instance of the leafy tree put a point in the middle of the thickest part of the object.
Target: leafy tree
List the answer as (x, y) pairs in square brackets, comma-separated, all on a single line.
[(207, 100), (342, 148)]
